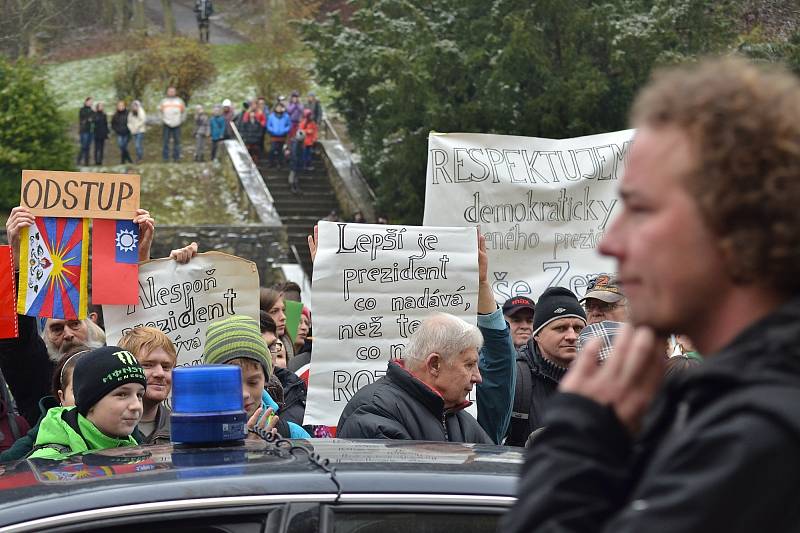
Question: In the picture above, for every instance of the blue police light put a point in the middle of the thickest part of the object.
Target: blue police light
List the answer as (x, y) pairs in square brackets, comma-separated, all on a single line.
[(207, 405)]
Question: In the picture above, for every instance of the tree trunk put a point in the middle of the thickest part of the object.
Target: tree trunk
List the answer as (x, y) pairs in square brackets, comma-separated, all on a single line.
[(139, 20), (169, 18), (33, 45)]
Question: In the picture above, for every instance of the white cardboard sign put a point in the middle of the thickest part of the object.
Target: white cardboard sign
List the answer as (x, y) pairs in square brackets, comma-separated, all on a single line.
[(182, 300), (373, 285), (542, 204)]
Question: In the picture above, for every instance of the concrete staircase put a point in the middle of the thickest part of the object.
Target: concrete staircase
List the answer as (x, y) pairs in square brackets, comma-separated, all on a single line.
[(299, 212)]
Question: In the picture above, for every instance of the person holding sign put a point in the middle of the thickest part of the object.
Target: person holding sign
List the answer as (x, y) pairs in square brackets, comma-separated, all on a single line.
[(707, 243), (433, 387), (28, 361)]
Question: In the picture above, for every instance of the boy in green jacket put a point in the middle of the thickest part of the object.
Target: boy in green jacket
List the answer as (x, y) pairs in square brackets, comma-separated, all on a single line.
[(108, 385)]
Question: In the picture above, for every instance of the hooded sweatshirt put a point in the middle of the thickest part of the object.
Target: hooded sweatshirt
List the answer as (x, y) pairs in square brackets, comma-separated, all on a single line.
[(58, 439), (295, 431)]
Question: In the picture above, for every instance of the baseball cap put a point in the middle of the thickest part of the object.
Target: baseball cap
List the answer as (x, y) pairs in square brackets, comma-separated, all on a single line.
[(604, 288), (517, 303)]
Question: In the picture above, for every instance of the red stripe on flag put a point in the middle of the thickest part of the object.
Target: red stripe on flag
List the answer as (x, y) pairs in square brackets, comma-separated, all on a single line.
[(66, 303), (75, 239), (47, 306), (61, 223), (112, 283)]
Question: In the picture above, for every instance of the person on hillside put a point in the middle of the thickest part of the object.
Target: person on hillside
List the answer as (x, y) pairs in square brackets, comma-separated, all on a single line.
[(85, 119), (217, 130), (311, 132), (278, 126), (295, 111), (251, 131), (202, 130), (100, 120), (296, 159), (119, 123), (137, 125), (706, 244), (228, 114), (263, 111), (203, 9), (172, 112), (315, 106)]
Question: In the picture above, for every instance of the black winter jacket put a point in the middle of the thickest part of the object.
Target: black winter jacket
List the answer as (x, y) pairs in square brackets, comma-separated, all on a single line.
[(119, 123), (27, 367), (540, 383), (294, 396), (100, 125), (399, 406), (85, 116), (718, 452)]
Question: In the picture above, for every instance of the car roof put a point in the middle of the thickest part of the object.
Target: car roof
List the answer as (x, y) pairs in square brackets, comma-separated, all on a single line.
[(31, 489)]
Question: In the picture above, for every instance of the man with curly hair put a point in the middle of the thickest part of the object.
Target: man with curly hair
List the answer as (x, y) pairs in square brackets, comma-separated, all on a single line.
[(707, 244)]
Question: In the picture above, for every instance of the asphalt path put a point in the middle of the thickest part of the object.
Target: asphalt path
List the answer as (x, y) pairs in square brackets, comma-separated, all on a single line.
[(186, 22)]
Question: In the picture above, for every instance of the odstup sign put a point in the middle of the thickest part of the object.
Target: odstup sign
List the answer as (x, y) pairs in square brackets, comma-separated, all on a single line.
[(80, 194)]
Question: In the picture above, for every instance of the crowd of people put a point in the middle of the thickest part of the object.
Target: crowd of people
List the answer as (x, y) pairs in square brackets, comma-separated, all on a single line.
[(286, 131), (626, 429)]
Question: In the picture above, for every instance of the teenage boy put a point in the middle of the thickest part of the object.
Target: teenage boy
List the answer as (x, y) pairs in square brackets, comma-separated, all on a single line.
[(108, 385), (156, 353), (237, 340)]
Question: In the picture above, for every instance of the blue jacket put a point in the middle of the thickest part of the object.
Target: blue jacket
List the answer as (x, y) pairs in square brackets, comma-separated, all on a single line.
[(217, 127), (498, 367), (278, 126), (297, 432)]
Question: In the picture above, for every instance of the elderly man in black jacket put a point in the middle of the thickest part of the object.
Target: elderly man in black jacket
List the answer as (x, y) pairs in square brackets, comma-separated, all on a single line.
[(423, 396), (707, 244)]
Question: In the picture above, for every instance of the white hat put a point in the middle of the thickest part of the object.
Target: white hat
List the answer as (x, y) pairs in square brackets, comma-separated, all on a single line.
[(226, 103)]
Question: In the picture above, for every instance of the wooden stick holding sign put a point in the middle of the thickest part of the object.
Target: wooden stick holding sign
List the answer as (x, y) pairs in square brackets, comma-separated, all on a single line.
[(80, 194)]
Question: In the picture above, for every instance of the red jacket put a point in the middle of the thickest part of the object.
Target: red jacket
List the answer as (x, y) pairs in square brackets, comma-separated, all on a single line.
[(311, 130)]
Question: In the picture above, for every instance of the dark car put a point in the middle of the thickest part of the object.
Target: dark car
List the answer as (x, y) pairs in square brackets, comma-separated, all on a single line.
[(322, 485)]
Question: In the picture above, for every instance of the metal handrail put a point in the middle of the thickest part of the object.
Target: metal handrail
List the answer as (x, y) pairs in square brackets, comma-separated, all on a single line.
[(355, 170), (241, 141)]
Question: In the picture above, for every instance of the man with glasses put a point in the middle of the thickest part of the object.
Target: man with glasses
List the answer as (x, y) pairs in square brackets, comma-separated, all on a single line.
[(604, 301)]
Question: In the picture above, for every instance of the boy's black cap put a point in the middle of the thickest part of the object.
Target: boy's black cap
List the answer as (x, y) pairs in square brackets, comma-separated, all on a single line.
[(101, 371)]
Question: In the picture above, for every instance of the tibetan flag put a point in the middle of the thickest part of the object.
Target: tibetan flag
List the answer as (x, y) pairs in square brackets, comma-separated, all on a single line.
[(8, 311), (54, 257), (115, 262)]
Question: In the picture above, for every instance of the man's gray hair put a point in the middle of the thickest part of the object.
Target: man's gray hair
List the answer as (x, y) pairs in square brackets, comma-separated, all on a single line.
[(444, 334), (96, 338)]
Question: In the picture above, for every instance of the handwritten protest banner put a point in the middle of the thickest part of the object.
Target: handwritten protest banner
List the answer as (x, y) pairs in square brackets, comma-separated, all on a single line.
[(542, 204), (373, 285), (181, 300), (80, 194)]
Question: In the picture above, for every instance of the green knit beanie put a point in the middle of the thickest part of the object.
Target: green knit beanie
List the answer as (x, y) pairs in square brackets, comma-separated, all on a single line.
[(237, 336)]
